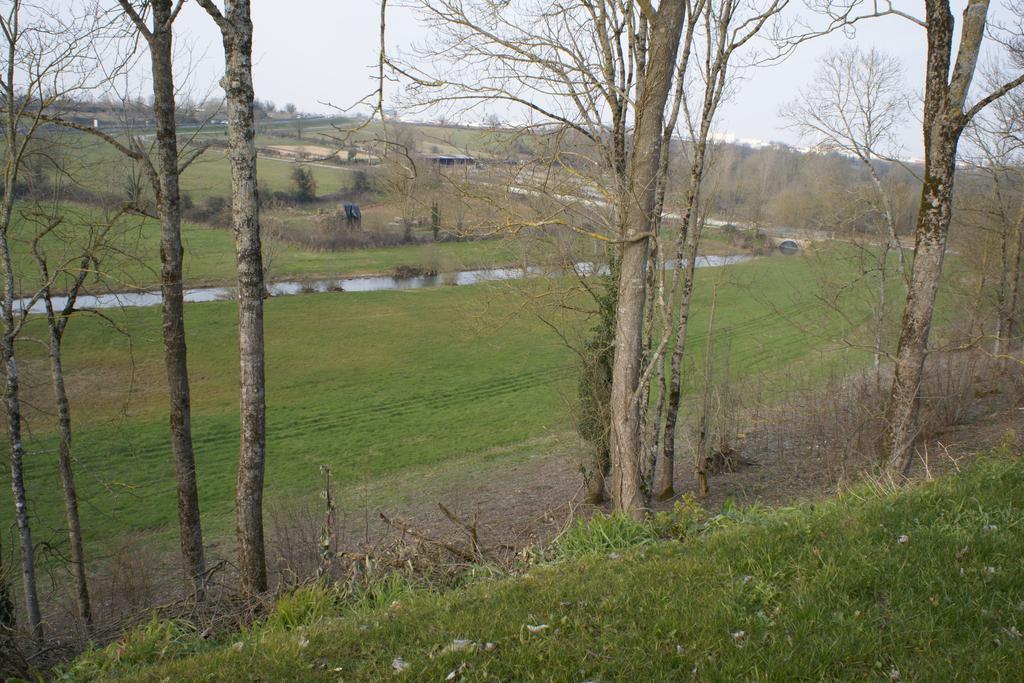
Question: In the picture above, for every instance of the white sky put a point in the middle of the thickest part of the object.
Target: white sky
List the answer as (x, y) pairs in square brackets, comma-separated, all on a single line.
[(315, 51)]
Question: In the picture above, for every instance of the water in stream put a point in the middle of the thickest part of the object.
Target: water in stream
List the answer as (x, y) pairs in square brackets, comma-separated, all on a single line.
[(352, 284)]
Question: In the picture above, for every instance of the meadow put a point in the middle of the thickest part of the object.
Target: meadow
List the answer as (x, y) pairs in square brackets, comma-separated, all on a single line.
[(374, 385)]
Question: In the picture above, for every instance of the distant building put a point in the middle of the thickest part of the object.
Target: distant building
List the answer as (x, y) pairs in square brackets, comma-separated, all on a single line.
[(452, 160)]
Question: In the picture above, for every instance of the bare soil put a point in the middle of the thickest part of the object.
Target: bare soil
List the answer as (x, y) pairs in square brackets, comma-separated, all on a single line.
[(530, 500)]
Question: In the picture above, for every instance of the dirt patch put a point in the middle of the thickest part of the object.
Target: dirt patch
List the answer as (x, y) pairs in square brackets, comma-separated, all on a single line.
[(302, 151), (529, 501)]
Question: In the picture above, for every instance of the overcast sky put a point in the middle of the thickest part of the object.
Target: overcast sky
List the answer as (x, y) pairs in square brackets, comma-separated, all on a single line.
[(314, 51)]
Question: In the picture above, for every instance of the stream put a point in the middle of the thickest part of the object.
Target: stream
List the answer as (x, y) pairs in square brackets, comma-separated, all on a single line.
[(352, 284)]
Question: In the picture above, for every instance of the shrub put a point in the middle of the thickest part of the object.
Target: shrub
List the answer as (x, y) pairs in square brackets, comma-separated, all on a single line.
[(304, 184), (362, 183)]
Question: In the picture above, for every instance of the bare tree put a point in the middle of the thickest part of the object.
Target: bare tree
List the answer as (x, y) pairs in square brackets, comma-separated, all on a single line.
[(854, 106), (71, 268), (235, 24), (49, 55), (726, 26), (996, 141), (572, 70), (164, 178), (640, 199), (946, 113)]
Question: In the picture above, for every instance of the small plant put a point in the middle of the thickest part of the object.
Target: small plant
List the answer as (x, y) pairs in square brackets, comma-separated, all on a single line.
[(303, 607), (683, 520), (361, 182), (157, 640), (604, 534)]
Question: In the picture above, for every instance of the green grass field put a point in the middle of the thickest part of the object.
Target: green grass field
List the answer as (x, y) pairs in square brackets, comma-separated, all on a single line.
[(133, 259), (919, 585), (371, 384)]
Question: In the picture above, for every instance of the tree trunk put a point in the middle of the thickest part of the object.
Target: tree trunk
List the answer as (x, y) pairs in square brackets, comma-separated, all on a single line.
[(1004, 316), (67, 477), (945, 95), (12, 402), (929, 252), (172, 290), (236, 28), (664, 486), (12, 398), (883, 265), (626, 453)]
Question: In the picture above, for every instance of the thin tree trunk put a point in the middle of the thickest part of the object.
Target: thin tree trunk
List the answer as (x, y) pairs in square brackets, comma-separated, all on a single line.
[(67, 477), (172, 290), (890, 222), (883, 265), (626, 453), (703, 450), (12, 398), (12, 401), (236, 28), (688, 246), (1004, 315), (664, 486)]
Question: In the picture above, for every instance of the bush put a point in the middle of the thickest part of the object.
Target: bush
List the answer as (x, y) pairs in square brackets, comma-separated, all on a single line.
[(304, 184), (362, 183)]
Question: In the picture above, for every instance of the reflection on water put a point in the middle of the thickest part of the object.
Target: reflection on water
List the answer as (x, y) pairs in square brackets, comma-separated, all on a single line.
[(353, 284)]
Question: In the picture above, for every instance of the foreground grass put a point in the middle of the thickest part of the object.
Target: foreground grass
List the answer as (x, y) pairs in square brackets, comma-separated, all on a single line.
[(923, 584)]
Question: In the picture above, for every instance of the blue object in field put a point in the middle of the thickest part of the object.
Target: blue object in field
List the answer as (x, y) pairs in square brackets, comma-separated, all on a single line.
[(352, 212)]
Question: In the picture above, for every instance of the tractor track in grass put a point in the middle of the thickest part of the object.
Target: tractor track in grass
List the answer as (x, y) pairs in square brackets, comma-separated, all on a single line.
[(354, 419), (216, 436), (213, 438)]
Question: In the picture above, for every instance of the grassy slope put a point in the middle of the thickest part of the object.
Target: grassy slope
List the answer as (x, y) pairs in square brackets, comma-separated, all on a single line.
[(372, 384), (362, 382), (812, 593)]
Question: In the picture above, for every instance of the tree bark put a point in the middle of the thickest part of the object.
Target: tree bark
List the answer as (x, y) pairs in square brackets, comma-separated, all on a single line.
[(67, 477), (687, 250), (236, 29), (626, 453), (173, 301), (664, 474), (945, 95), (12, 401), (12, 398)]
